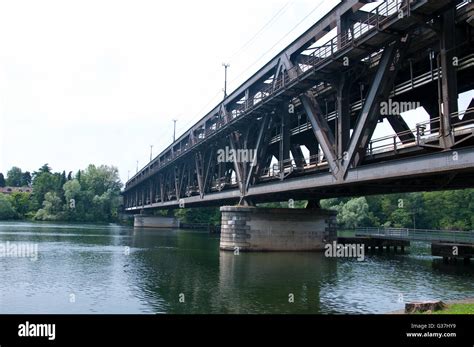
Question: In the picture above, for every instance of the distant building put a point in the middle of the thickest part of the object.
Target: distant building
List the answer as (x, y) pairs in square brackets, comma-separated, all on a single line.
[(10, 190)]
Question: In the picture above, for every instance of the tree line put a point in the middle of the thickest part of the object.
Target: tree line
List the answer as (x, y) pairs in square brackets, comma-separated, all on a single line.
[(90, 195), (446, 210), (16, 178)]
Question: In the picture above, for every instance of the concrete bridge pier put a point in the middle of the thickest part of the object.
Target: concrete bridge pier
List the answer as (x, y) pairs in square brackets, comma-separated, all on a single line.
[(249, 228)]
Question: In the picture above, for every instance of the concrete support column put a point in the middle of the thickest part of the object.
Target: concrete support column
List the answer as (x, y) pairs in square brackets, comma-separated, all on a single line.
[(276, 229)]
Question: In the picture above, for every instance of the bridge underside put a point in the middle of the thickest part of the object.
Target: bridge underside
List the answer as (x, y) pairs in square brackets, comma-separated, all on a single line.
[(306, 120)]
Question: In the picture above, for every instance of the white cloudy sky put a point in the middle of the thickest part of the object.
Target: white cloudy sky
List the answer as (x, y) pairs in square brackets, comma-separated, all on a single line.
[(100, 81)]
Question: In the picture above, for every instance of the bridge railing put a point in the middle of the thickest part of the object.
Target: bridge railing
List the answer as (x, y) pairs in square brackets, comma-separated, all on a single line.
[(428, 235), (462, 123), (291, 165), (389, 143)]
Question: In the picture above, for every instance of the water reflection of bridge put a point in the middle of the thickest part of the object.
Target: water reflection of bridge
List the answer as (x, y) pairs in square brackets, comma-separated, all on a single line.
[(167, 263)]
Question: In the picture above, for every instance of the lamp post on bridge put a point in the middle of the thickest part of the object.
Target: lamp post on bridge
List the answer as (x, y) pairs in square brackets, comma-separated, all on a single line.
[(225, 65), (174, 129)]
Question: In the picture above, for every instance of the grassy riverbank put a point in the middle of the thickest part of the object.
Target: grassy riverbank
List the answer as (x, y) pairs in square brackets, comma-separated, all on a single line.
[(457, 309)]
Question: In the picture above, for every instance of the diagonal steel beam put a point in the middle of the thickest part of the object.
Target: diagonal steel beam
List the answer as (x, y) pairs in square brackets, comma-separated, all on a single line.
[(258, 150), (401, 128), (379, 90), (319, 124), (343, 120), (210, 167), (283, 66), (182, 177), (321, 130), (298, 156), (199, 173), (262, 160)]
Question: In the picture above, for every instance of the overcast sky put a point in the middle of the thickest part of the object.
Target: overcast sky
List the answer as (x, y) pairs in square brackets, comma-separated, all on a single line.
[(100, 81)]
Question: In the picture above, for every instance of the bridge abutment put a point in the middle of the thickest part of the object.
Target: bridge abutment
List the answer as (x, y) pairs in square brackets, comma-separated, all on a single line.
[(247, 228)]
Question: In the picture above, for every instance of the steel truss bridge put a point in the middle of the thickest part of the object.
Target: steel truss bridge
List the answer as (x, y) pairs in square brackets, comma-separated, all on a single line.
[(322, 95)]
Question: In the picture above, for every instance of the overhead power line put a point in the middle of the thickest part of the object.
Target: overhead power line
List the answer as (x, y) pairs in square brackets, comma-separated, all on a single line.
[(282, 10), (278, 42)]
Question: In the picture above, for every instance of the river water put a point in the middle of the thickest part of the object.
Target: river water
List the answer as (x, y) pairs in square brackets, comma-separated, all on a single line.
[(115, 269)]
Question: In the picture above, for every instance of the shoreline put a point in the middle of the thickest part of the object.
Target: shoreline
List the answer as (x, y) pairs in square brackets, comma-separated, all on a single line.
[(449, 302)]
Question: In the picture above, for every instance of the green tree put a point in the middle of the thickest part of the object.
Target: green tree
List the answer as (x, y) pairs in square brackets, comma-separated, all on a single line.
[(99, 198), (2, 180), (209, 215), (331, 204), (71, 189), (52, 208), (430, 210), (43, 169), (43, 182), (401, 218), (14, 176), (93, 195), (100, 179), (26, 179), (20, 202), (74, 207), (63, 178), (353, 213), (6, 208)]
